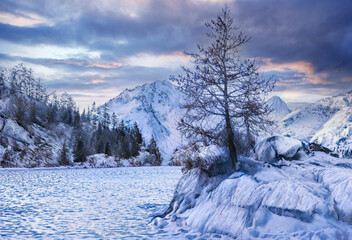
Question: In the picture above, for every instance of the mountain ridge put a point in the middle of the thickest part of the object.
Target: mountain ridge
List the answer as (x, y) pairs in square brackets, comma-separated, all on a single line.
[(155, 107), (326, 122)]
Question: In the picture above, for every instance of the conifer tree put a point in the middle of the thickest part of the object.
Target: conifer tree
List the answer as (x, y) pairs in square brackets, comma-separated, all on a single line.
[(114, 120), (154, 150), (63, 159), (137, 134), (79, 151)]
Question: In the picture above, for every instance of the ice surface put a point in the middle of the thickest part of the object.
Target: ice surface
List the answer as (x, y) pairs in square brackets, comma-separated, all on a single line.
[(110, 203), (306, 199)]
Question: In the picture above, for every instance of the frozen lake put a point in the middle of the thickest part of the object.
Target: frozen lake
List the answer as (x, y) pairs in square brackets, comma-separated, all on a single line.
[(115, 203)]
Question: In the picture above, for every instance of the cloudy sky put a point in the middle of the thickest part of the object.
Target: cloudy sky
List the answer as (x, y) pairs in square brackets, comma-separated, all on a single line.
[(95, 49)]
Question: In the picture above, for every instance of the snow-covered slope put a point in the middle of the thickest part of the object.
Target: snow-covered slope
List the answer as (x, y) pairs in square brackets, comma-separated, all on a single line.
[(307, 199), (296, 105), (156, 109), (336, 133), (326, 122), (278, 107)]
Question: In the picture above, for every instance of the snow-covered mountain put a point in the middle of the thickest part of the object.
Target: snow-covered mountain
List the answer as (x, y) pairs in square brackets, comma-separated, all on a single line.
[(327, 122), (156, 109), (296, 105), (278, 107)]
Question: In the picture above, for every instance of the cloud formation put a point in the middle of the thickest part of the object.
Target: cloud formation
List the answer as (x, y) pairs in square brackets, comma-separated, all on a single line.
[(102, 45)]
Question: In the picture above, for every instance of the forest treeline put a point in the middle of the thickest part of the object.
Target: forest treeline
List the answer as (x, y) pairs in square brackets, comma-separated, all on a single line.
[(25, 100)]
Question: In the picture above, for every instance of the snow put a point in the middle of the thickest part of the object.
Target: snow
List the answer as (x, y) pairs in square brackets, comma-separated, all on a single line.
[(326, 122), (278, 107), (156, 109), (109, 203), (34, 146), (104, 161), (305, 199), (16, 132), (296, 105), (336, 133), (273, 148)]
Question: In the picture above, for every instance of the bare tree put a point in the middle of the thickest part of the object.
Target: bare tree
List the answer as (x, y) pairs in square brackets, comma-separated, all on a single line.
[(215, 87), (253, 110)]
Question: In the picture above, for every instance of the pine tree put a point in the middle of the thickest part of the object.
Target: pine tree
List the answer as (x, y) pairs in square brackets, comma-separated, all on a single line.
[(137, 134), (123, 148), (94, 115), (79, 151), (107, 149), (134, 146), (77, 119), (154, 150), (63, 160), (114, 120), (88, 115)]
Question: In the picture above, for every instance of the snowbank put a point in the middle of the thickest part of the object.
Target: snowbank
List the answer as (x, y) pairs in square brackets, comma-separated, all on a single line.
[(102, 160), (306, 199)]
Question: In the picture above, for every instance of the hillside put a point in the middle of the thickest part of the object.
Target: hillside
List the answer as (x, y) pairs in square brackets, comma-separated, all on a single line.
[(41, 129)]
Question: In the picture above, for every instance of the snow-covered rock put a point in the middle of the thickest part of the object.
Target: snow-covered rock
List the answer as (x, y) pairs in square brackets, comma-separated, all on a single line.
[(16, 133), (278, 107), (306, 199), (276, 148), (156, 109), (34, 146)]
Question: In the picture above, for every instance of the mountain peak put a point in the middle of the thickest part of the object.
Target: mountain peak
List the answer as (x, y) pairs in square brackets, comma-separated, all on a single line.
[(278, 107), (155, 108)]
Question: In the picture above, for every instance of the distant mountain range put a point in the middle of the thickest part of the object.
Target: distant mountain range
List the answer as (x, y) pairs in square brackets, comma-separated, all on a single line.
[(156, 109), (327, 122)]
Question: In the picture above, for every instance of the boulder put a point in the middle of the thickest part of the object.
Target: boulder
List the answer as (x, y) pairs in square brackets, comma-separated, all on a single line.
[(276, 148)]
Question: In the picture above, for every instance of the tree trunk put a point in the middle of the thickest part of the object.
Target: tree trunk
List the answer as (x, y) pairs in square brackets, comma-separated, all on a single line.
[(229, 130), (230, 143), (230, 140)]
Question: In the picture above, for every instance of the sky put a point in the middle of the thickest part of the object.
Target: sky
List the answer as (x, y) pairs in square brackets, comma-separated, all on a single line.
[(95, 49)]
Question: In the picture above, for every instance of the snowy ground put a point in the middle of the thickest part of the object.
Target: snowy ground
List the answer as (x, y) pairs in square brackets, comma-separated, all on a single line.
[(305, 199), (110, 203)]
